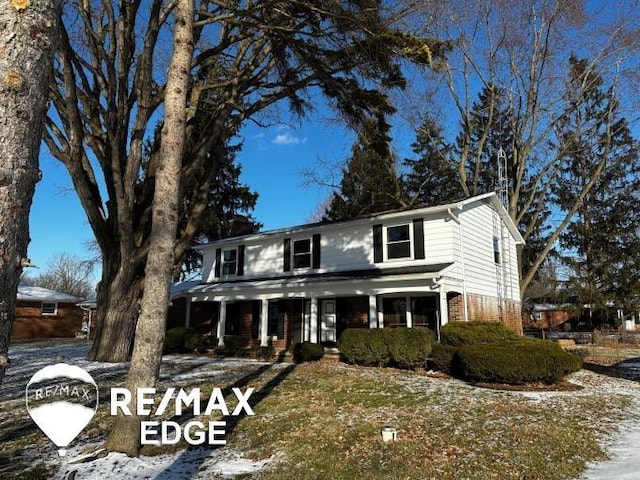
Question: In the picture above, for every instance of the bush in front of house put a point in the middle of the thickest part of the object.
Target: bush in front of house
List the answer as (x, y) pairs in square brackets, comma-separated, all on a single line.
[(234, 344), (183, 340), (307, 352), (409, 348), (457, 334), (364, 346), (398, 347), (454, 335), (443, 358), (516, 362)]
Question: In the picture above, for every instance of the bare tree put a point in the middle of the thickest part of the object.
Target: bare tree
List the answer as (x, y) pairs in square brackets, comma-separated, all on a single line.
[(27, 41), (110, 87), (66, 273), (521, 49), (147, 350)]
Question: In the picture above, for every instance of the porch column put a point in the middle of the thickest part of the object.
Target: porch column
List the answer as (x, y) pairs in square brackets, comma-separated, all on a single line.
[(222, 323), (187, 315), (444, 308), (313, 321), (373, 311), (408, 312), (264, 323), (380, 313)]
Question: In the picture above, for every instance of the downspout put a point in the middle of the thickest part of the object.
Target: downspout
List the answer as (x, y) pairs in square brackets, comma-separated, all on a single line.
[(462, 262)]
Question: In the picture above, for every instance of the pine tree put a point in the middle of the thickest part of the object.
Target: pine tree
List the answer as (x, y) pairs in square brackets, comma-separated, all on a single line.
[(370, 183), (600, 162), (432, 177)]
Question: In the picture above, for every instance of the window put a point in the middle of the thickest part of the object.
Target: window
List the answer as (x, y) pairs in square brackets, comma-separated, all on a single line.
[(229, 262), (302, 253), (49, 308), (496, 250), (394, 312), (399, 242)]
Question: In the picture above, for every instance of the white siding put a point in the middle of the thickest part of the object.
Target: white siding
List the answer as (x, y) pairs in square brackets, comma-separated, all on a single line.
[(482, 276), (344, 247)]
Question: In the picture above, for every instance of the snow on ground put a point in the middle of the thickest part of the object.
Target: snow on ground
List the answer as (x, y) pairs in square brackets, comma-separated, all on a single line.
[(227, 462), (623, 448), (194, 463)]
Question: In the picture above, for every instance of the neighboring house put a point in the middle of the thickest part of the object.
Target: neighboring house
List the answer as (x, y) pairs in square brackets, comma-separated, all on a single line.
[(416, 268), (43, 313), (544, 316)]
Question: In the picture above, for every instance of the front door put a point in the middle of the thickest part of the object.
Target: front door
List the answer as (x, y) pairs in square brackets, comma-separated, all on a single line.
[(328, 321)]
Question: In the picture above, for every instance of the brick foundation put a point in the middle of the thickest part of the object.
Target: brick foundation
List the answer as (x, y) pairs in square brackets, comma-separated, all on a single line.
[(485, 309)]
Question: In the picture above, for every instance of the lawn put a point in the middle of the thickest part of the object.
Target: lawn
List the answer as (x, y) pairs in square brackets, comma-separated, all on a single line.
[(321, 421)]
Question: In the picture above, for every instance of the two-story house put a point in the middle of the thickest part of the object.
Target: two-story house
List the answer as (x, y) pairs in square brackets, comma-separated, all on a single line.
[(422, 267)]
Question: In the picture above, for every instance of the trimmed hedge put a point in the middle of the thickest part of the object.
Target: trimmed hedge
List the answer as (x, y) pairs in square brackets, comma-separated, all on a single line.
[(516, 362), (364, 346), (183, 340), (443, 358), (398, 347), (457, 334), (234, 344), (307, 352)]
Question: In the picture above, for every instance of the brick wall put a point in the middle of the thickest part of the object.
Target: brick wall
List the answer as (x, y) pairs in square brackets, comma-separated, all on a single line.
[(485, 309), (30, 323)]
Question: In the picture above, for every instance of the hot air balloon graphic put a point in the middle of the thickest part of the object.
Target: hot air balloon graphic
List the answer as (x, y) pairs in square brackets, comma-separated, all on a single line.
[(62, 399)]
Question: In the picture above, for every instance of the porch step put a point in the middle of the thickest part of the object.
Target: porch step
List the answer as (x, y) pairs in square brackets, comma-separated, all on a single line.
[(331, 354)]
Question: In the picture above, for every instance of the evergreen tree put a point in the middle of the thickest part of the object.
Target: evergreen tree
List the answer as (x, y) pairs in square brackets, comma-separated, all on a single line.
[(228, 210), (432, 177), (600, 164), (370, 183)]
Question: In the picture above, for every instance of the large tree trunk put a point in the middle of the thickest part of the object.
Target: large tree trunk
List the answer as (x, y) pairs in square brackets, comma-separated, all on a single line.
[(28, 37), (147, 348), (118, 299)]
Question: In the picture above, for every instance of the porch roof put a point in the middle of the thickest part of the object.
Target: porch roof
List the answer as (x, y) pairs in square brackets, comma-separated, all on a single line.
[(425, 272)]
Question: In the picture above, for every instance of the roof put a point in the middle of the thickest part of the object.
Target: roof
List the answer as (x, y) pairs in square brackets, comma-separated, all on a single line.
[(488, 198), (432, 271), (38, 294)]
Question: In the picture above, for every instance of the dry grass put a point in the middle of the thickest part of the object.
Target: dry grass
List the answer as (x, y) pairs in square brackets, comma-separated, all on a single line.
[(323, 421)]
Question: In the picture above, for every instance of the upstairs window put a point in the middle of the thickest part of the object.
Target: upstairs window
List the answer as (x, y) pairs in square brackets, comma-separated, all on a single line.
[(398, 242), (229, 262), (496, 250), (49, 308), (302, 253)]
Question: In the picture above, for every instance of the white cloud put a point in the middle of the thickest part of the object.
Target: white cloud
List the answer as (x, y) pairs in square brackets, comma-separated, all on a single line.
[(287, 139)]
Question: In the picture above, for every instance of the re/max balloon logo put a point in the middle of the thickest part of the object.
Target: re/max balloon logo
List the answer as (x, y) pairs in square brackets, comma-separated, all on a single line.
[(62, 399)]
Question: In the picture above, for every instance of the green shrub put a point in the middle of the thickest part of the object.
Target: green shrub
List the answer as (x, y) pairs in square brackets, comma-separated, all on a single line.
[(409, 347), (174, 339), (457, 334), (517, 362), (398, 347), (195, 342), (364, 346), (234, 344), (443, 358), (307, 352)]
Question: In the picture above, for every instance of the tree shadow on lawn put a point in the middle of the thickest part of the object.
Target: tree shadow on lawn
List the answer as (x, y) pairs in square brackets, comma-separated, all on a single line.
[(190, 460), (628, 369)]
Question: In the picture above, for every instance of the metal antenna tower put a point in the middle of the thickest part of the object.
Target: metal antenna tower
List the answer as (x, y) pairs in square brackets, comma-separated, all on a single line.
[(503, 180)]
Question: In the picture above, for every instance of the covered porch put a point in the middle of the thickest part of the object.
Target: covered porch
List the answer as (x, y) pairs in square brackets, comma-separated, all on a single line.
[(281, 313)]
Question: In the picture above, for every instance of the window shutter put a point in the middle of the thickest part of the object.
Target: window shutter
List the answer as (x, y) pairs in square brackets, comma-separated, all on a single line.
[(377, 243), (315, 250), (218, 262), (286, 259), (418, 239), (240, 259)]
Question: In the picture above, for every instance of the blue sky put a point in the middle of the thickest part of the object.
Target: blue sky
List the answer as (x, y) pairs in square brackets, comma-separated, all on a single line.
[(272, 160)]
